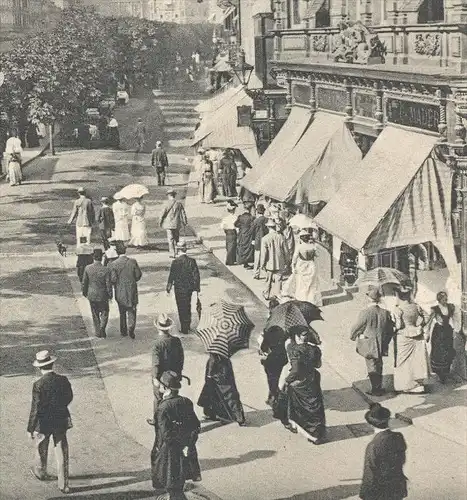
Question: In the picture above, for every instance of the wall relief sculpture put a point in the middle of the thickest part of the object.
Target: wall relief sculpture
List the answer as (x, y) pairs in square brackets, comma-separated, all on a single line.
[(427, 44), (356, 44), (320, 43)]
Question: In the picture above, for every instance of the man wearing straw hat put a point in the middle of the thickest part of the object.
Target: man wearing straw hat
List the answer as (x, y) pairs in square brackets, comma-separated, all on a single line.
[(49, 416), (83, 215), (383, 475), (167, 355), (273, 259), (174, 458), (173, 218)]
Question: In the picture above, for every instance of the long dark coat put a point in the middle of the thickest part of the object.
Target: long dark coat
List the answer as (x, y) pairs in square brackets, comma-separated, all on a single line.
[(219, 396), (245, 250), (383, 476), (176, 427)]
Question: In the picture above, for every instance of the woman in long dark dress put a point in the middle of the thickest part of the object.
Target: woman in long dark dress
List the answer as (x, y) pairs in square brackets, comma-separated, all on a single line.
[(219, 397), (245, 248), (229, 174), (442, 336), (228, 225), (302, 400)]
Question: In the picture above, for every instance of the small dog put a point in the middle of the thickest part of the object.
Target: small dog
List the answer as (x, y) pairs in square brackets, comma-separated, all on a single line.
[(61, 248)]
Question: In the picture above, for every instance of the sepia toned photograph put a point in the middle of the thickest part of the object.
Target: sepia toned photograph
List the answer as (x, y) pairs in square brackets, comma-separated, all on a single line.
[(233, 249)]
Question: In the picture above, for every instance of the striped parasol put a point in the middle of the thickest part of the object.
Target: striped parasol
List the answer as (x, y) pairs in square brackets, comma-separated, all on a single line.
[(224, 328), (383, 276)]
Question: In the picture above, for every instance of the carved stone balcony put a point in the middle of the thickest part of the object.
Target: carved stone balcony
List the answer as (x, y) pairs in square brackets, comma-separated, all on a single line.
[(430, 46)]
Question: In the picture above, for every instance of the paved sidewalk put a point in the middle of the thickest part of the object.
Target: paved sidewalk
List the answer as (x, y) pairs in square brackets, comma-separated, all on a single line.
[(442, 411)]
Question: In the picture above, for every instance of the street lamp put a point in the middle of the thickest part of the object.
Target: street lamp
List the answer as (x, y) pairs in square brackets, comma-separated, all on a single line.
[(242, 69)]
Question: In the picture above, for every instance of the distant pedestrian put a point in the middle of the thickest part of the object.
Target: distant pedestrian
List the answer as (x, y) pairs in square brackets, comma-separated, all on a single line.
[(219, 397), (383, 473), (83, 257), (207, 187), (373, 331), (140, 135), (174, 458), (139, 236), (229, 174), (121, 212), (113, 133), (185, 280), (273, 260), (259, 230), (228, 226), (49, 416), (245, 247), (14, 173), (173, 219), (103, 131), (14, 145), (167, 355), (106, 221), (97, 288), (32, 137), (83, 215), (160, 162), (125, 274)]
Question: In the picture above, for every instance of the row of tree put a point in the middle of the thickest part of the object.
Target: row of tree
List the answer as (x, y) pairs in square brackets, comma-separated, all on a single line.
[(58, 75)]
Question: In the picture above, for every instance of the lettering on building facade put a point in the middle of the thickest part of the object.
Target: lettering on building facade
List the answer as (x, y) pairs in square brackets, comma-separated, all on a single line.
[(333, 99), (364, 105), (413, 114)]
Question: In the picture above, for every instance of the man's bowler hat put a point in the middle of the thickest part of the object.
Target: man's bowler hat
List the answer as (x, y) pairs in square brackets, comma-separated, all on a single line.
[(378, 416), (170, 380)]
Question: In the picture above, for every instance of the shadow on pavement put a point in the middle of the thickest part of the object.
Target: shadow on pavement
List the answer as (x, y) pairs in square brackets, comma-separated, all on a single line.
[(332, 493), (220, 463), (122, 479), (122, 495)]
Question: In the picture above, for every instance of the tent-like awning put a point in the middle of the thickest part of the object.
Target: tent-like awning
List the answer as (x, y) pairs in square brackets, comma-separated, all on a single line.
[(280, 183), (400, 194), (281, 145), (325, 177), (215, 102), (212, 121), (225, 132)]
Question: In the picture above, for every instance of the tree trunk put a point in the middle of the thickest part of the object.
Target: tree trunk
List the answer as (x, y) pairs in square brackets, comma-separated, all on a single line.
[(51, 139)]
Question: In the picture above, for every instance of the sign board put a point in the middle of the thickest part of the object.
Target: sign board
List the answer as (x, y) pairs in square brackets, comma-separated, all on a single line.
[(413, 114), (261, 114), (364, 105), (243, 116), (332, 99)]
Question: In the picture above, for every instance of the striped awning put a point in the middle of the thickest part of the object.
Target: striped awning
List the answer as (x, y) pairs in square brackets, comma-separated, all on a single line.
[(399, 195), (281, 145), (280, 183)]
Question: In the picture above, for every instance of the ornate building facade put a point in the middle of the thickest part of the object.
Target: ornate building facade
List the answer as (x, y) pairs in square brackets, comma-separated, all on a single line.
[(182, 11)]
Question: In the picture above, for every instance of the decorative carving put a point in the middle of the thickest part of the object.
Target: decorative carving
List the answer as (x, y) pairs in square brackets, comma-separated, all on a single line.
[(357, 44), (320, 43), (428, 44)]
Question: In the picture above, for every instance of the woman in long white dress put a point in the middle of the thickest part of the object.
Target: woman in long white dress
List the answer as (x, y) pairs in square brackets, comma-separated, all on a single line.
[(14, 174), (121, 212), (305, 272), (139, 237)]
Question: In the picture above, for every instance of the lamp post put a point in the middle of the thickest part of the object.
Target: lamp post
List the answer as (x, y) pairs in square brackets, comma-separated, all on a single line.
[(242, 69)]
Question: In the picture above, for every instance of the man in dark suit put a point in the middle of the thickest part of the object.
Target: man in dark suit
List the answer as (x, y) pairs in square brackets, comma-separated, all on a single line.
[(124, 275), (97, 287), (259, 229), (184, 278), (167, 355), (383, 475), (49, 416), (106, 222), (373, 332)]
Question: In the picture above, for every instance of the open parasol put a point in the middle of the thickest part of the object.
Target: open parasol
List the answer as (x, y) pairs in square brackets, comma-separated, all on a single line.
[(131, 191), (224, 328), (384, 276), (293, 313)]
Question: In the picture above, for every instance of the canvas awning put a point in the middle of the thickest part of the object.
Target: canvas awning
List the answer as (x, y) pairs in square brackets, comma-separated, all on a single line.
[(281, 145), (280, 183), (215, 102), (212, 120), (400, 194), (225, 132)]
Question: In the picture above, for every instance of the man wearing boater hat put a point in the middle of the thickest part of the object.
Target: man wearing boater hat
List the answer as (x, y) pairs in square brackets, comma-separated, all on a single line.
[(174, 458), (173, 218), (49, 416), (167, 355), (373, 332), (383, 475)]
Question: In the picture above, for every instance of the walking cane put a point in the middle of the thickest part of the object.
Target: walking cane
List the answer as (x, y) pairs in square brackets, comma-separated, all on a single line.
[(187, 379)]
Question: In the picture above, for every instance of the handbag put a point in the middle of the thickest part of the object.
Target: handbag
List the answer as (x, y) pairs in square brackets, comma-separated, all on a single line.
[(366, 347)]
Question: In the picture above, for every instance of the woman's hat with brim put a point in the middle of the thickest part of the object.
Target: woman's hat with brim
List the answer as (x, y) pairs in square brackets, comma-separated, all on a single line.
[(170, 380), (171, 191), (181, 244), (270, 223), (163, 322), (43, 358), (374, 294), (378, 416), (304, 232)]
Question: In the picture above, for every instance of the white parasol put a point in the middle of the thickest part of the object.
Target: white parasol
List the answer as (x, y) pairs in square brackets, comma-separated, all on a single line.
[(302, 221), (131, 191)]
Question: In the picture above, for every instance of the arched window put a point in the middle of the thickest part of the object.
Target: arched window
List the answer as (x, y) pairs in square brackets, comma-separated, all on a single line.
[(431, 11)]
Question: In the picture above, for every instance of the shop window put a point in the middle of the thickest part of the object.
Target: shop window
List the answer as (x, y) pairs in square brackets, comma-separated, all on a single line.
[(431, 11)]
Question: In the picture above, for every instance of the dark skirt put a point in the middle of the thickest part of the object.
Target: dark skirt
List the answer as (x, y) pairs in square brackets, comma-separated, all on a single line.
[(114, 137), (231, 246), (221, 401), (442, 349), (245, 249)]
